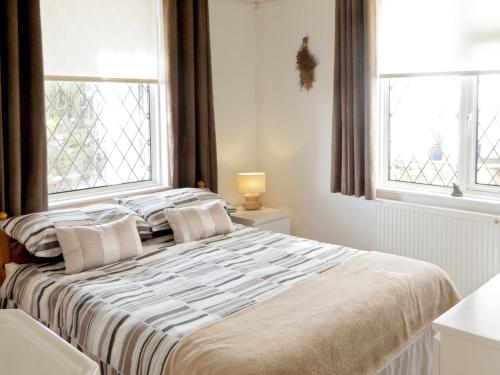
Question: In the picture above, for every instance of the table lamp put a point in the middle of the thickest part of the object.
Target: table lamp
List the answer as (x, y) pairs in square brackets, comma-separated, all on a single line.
[(252, 184)]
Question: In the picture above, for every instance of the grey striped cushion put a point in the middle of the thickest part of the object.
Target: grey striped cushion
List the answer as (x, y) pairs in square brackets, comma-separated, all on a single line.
[(85, 248), (152, 206), (37, 231), (197, 222)]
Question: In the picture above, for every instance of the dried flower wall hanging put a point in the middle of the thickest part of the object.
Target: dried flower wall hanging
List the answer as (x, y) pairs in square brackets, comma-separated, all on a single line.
[(305, 65)]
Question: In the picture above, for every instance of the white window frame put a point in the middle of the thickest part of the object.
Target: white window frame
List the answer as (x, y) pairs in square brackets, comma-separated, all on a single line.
[(159, 159), (477, 197)]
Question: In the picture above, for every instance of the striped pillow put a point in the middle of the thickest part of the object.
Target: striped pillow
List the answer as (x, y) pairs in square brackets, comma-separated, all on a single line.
[(151, 206), (85, 247), (37, 231), (197, 222)]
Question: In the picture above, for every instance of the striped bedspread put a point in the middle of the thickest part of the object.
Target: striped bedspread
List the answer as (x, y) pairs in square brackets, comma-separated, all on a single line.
[(129, 316)]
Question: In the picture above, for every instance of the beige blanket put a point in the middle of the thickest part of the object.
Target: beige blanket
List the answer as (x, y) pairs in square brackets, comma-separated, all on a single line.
[(350, 320)]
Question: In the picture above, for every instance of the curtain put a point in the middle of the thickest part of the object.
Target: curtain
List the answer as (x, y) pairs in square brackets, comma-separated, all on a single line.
[(354, 99), (189, 93), (23, 147)]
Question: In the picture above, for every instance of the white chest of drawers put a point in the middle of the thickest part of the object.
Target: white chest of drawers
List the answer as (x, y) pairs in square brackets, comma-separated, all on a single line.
[(467, 341)]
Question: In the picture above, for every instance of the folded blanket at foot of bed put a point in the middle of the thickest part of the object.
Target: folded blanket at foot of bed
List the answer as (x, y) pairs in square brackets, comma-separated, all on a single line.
[(349, 320)]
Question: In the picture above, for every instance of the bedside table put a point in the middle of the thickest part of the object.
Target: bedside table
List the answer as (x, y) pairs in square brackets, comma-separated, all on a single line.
[(265, 218), (28, 347)]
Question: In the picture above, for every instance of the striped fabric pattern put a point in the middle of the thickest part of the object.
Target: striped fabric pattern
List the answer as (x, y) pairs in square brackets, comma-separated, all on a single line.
[(129, 316), (152, 206), (37, 231), (86, 248), (197, 222)]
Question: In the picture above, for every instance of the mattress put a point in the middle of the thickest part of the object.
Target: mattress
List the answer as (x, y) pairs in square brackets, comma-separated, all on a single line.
[(129, 316)]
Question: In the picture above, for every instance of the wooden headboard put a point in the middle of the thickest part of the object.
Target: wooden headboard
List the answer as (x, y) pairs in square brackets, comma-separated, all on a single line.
[(6, 248)]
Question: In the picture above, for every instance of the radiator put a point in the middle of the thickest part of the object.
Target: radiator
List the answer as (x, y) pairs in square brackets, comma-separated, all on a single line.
[(464, 244)]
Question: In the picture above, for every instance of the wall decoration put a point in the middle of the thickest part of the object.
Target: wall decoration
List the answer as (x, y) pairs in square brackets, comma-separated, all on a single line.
[(306, 63)]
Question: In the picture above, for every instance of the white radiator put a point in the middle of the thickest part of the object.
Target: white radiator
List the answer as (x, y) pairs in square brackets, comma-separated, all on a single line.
[(466, 245)]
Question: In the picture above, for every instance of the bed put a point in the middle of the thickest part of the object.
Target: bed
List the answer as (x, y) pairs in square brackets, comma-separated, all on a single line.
[(249, 302)]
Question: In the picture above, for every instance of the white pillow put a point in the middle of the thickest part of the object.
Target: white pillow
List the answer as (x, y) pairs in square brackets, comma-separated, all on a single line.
[(197, 222), (87, 247)]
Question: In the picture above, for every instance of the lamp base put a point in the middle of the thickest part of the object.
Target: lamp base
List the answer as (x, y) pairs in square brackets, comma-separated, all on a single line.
[(252, 202)]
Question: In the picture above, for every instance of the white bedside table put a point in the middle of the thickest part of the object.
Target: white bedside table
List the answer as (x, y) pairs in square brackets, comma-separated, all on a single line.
[(468, 335), (265, 218), (28, 347)]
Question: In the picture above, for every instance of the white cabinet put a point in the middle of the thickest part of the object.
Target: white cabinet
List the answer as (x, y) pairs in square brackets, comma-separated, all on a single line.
[(28, 347), (265, 218), (467, 341)]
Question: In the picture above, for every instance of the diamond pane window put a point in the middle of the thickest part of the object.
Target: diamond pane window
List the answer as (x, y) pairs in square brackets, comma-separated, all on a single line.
[(98, 134), (440, 98), (488, 131), (424, 129)]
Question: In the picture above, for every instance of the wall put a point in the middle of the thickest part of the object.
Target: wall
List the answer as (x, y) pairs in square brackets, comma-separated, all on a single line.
[(234, 62), (295, 126)]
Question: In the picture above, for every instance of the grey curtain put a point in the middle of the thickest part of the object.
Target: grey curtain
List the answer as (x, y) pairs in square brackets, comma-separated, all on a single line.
[(23, 147), (189, 93), (354, 98)]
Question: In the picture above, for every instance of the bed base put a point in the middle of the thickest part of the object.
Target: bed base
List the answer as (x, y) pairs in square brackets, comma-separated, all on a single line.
[(7, 249)]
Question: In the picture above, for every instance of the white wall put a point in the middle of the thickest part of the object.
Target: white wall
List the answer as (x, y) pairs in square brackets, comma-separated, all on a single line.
[(234, 64), (265, 122), (295, 126)]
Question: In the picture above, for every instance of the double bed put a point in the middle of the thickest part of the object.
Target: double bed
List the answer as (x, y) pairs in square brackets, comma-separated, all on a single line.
[(247, 302)]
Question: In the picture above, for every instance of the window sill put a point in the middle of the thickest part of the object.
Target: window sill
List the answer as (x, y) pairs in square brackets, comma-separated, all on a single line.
[(101, 195), (439, 199)]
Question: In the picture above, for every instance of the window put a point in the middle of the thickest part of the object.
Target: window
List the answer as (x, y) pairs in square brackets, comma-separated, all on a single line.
[(101, 61), (439, 86), (442, 130), (98, 134), (423, 129), (487, 132)]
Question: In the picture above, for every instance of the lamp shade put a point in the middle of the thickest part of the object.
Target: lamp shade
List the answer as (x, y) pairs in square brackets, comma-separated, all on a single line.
[(252, 182)]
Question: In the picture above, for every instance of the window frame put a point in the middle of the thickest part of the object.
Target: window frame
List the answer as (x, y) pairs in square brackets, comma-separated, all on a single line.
[(468, 133), (158, 159)]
